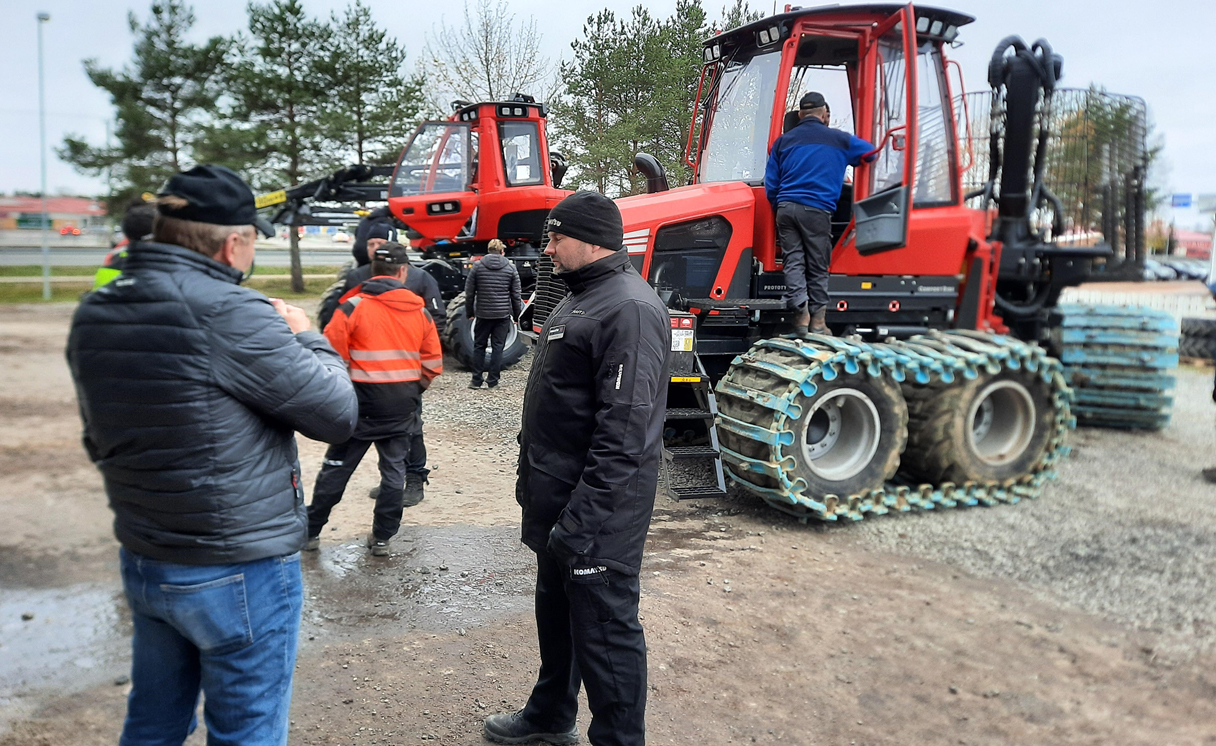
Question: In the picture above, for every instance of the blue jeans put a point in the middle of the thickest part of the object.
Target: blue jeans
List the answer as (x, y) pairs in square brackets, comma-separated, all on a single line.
[(229, 630)]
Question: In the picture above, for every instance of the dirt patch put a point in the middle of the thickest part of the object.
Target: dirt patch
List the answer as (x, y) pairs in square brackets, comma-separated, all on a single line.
[(1018, 625)]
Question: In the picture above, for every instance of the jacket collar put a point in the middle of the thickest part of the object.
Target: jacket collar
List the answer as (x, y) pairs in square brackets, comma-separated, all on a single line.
[(390, 291), (593, 274), (380, 284), (167, 258)]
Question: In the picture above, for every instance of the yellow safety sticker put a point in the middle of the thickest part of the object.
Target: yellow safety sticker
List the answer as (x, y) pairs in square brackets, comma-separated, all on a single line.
[(273, 198), (685, 379), (867, 285)]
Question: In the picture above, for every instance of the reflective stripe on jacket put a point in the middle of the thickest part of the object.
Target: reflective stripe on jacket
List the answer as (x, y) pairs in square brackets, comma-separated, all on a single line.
[(390, 344)]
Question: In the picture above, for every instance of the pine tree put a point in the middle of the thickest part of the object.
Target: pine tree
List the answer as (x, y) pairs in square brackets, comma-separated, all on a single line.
[(163, 99), (370, 107), (630, 87), (275, 101)]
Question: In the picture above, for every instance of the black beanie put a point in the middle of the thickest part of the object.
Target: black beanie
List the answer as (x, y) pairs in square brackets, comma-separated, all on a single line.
[(589, 217), (383, 230)]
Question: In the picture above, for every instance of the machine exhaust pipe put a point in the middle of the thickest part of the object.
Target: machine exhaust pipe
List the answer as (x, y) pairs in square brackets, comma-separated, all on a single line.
[(656, 175)]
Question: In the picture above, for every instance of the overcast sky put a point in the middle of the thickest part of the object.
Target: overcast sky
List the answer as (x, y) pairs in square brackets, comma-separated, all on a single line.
[(1161, 51)]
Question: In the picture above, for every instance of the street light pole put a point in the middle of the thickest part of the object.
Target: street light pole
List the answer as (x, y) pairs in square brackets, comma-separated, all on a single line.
[(46, 228)]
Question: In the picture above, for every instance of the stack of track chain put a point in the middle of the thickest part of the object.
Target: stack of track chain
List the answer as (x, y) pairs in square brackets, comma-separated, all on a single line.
[(939, 358), (1118, 360)]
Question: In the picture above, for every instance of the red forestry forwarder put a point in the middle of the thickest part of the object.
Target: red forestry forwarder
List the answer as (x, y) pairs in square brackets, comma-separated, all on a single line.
[(484, 173), (935, 391)]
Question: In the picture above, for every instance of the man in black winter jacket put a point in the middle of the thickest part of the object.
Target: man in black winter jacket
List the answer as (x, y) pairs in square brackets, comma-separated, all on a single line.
[(591, 443), (191, 388), (492, 299), (350, 277)]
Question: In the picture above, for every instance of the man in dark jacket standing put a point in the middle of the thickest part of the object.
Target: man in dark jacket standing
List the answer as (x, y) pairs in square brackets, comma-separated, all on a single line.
[(191, 388), (588, 469), (803, 179), (492, 297), (353, 275)]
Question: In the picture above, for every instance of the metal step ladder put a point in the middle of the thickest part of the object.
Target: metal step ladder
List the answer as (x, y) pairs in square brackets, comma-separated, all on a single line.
[(705, 479)]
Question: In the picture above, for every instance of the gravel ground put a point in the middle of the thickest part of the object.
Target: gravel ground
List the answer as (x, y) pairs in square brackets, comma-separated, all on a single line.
[(1128, 532)]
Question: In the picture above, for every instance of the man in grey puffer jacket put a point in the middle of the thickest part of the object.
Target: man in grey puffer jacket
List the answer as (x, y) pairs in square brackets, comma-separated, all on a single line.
[(191, 388), (493, 300)]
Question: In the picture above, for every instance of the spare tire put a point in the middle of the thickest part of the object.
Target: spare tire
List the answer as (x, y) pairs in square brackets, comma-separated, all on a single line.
[(458, 338), (1196, 327)]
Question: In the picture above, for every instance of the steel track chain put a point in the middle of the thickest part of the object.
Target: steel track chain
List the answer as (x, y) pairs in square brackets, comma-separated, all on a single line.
[(938, 358)]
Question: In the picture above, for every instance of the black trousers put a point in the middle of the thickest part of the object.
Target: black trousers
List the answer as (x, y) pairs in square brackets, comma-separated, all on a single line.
[(805, 234), (493, 331), (415, 462), (340, 463), (588, 629)]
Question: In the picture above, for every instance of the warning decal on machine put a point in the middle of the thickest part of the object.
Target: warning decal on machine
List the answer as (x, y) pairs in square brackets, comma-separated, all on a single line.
[(681, 340)]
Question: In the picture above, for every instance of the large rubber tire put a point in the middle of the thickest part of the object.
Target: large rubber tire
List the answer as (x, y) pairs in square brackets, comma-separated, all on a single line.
[(870, 419), (1198, 338), (458, 338), (1197, 347), (1195, 327), (990, 428)]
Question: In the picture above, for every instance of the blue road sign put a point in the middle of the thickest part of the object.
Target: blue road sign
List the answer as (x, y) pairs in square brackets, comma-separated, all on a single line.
[(1181, 200)]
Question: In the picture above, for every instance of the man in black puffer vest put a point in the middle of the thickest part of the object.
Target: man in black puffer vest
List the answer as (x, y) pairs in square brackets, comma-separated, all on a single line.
[(492, 298), (590, 446), (191, 389)]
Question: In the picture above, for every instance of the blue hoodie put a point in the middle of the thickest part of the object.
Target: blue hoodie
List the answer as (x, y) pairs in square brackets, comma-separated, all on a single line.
[(807, 164)]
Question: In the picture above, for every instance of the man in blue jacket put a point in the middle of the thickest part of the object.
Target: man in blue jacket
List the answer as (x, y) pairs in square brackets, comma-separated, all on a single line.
[(191, 388), (802, 180)]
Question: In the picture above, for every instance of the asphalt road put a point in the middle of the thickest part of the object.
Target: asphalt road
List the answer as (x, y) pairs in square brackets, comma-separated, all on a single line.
[(91, 257)]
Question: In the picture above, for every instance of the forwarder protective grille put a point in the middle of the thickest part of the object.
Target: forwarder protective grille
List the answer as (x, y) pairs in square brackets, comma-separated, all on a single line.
[(550, 289)]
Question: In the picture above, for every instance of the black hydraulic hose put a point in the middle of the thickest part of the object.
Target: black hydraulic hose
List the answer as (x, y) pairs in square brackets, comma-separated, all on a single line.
[(1025, 310)]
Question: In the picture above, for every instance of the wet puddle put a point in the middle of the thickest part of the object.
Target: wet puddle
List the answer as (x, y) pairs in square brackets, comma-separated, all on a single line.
[(74, 637), (71, 637), (438, 579)]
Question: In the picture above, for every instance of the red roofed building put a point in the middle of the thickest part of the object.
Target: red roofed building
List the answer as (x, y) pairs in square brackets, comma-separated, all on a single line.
[(1193, 243), (26, 212)]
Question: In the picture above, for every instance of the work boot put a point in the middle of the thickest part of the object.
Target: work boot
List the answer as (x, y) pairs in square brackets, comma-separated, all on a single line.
[(803, 320), (379, 547), (1210, 474), (819, 324), (413, 489), (510, 727), (475, 385), (313, 544), (374, 492)]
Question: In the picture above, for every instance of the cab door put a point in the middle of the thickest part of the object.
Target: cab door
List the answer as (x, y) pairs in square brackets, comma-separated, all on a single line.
[(432, 187), (883, 187)]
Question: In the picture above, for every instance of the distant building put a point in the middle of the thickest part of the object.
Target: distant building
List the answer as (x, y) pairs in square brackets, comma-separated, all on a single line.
[(26, 212), (1193, 243)]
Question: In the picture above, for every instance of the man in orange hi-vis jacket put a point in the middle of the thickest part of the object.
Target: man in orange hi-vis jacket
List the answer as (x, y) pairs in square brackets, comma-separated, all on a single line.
[(389, 342)]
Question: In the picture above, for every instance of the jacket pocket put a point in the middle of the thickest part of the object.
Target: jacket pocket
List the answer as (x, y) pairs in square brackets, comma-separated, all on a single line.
[(212, 615), (561, 466)]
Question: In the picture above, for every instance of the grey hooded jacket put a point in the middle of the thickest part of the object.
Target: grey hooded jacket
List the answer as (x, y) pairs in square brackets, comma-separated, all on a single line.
[(191, 388)]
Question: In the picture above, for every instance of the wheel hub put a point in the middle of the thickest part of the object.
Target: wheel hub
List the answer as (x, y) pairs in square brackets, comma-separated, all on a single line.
[(1002, 420), (841, 434), (512, 335)]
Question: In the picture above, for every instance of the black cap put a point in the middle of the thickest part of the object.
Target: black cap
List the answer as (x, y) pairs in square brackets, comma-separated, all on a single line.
[(215, 195), (381, 229), (391, 253), (589, 217), (812, 100)]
